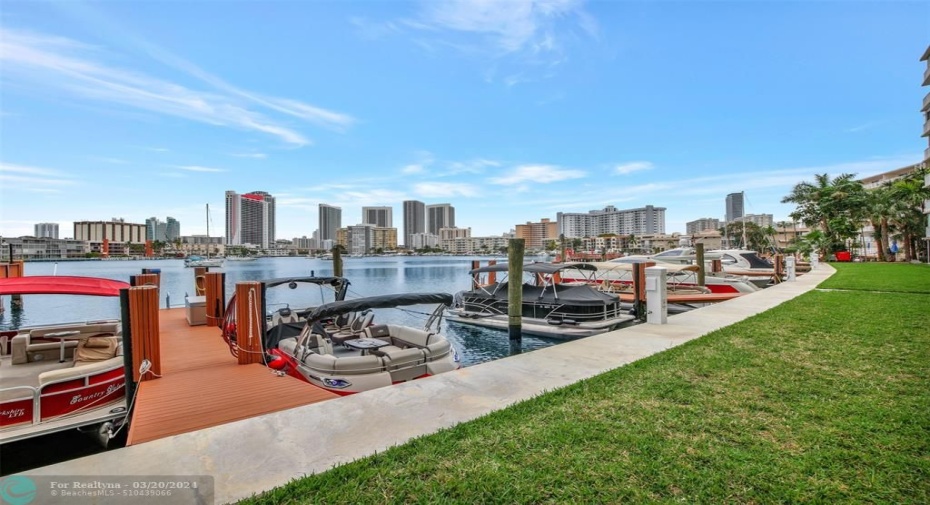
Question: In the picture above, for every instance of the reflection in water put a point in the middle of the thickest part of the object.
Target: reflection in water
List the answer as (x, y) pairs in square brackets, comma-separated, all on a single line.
[(368, 277)]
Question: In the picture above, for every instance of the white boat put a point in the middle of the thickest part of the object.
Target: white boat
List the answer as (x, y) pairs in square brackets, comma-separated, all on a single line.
[(63, 376), (740, 262), (550, 308), (336, 347)]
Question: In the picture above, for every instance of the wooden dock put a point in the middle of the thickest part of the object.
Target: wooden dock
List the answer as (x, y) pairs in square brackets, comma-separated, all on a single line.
[(202, 385)]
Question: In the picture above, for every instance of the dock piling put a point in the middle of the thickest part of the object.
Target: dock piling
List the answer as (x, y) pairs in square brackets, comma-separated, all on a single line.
[(515, 292), (699, 259), (656, 296)]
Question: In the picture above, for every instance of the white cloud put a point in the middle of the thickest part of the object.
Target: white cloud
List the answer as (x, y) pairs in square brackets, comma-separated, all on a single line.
[(633, 166), (257, 156), (55, 62), (510, 27), (33, 179), (198, 168), (444, 189), (414, 168), (475, 166), (537, 173)]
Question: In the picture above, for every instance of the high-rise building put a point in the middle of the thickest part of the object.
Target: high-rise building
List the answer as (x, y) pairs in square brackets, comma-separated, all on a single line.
[(700, 225), (46, 230), (536, 235), (155, 229), (250, 219), (760, 220), (172, 229), (646, 220), (382, 217), (734, 206), (330, 222), (414, 221), (439, 216), (925, 110)]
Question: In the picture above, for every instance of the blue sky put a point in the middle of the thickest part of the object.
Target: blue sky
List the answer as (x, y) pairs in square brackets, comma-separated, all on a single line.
[(511, 111)]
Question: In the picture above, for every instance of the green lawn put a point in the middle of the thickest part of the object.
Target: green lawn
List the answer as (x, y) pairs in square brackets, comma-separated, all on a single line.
[(825, 399), (900, 277)]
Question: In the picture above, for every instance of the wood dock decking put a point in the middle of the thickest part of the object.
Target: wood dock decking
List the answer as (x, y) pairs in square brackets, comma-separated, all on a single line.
[(202, 385)]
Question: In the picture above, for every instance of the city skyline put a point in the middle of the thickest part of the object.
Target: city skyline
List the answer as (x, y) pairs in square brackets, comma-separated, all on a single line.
[(509, 112)]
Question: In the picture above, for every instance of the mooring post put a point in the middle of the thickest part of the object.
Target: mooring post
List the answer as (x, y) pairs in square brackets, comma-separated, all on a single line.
[(492, 276), (144, 331), (515, 293), (16, 269), (778, 262), (699, 258), (815, 260), (639, 290), (337, 262), (250, 321), (128, 367), (789, 267), (562, 246), (215, 298), (475, 264), (200, 280)]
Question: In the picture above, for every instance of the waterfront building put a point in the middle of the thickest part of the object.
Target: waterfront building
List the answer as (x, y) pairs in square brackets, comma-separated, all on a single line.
[(438, 216), (303, 243), (46, 230), (640, 221), (476, 245), (925, 109), (735, 206), (701, 225), (761, 220), (330, 218), (114, 237), (414, 221), (536, 235), (250, 219), (423, 241), (167, 231), (381, 217), (42, 248), (202, 245), (367, 238)]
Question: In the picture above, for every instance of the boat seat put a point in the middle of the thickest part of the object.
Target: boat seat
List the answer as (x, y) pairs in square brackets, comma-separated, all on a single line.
[(405, 364), (355, 330), (79, 371), (30, 346), (97, 348)]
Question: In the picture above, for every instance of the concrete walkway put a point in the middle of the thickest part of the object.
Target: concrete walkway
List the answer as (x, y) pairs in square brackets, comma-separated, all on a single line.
[(254, 455)]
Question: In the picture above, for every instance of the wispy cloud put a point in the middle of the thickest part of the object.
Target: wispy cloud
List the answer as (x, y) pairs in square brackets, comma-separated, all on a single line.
[(508, 27), (76, 68), (257, 156), (475, 166), (104, 159), (537, 173), (444, 189), (157, 149), (198, 168), (33, 179), (862, 127), (413, 168), (633, 166)]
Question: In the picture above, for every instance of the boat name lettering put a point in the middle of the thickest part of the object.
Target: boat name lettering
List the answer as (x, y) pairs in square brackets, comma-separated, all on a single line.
[(13, 413), (112, 388)]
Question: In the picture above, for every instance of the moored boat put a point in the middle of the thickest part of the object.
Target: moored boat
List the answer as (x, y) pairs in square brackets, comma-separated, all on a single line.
[(551, 308), (62, 376)]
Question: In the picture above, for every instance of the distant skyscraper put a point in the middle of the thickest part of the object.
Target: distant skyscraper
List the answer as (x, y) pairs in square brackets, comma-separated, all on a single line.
[(734, 206), (641, 221), (330, 221), (382, 217), (250, 219), (414, 221), (438, 216), (46, 230), (173, 229), (703, 224)]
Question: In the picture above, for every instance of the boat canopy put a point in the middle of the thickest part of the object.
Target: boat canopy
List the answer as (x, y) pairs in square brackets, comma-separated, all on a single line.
[(61, 285), (377, 302), (536, 268), (571, 294)]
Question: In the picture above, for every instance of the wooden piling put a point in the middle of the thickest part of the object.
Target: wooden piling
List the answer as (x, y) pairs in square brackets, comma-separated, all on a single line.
[(474, 278), (562, 247), (215, 298), (716, 266), (515, 290), (699, 259), (144, 331), (492, 276), (639, 289), (250, 322), (156, 272), (337, 262), (779, 261)]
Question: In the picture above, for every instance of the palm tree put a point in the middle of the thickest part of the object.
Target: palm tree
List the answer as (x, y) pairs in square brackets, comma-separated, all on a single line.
[(837, 206)]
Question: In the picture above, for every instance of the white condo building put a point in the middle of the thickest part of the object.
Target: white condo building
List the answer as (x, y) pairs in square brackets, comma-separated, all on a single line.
[(642, 221)]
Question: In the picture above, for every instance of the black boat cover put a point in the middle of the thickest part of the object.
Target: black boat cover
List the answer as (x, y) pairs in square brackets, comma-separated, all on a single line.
[(536, 268), (377, 302), (332, 281), (580, 294)]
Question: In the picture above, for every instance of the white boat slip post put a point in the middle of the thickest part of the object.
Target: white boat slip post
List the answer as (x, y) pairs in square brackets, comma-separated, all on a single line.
[(656, 296), (789, 268), (815, 259)]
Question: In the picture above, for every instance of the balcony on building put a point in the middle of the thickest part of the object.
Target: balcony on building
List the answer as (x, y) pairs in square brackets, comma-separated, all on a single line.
[(926, 128)]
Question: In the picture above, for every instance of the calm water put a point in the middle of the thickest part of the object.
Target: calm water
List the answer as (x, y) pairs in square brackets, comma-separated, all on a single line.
[(368, 277)]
